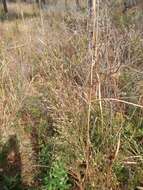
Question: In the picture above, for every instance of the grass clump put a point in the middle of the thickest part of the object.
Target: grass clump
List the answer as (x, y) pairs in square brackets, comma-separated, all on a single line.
[(73, 133)]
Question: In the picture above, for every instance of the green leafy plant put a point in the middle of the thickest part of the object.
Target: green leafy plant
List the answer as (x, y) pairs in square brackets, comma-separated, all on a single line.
[(57, 179), (12, 182)]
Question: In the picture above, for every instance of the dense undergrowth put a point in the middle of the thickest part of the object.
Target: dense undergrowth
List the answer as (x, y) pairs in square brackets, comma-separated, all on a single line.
[(59, 131)]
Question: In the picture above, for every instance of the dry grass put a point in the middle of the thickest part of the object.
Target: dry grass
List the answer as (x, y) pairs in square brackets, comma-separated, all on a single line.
[(90, 112)]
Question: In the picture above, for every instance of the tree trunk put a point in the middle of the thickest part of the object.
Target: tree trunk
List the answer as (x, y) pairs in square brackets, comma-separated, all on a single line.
[(90, 22), (5, 6), (40, 3), (78, 5), (90, 7)]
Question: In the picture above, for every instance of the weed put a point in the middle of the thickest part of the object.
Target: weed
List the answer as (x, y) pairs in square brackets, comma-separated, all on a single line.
[(12, 183), (58, 178)]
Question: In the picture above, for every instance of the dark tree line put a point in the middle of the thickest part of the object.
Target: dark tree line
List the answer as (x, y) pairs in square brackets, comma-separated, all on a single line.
[(5, 6), (127, 4), (40, 3)]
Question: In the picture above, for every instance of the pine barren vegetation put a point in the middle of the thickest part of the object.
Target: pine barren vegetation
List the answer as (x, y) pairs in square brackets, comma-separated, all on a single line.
[(71, 97)]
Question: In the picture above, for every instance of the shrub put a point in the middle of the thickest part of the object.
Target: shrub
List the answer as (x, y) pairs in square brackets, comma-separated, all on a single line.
[(57, 179)]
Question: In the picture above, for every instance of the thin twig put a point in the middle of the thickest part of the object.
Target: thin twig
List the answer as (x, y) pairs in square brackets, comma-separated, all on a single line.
[(119, 100)]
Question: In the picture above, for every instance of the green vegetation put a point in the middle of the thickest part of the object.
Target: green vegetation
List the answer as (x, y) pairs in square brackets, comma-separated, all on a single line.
[(58, 178)]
